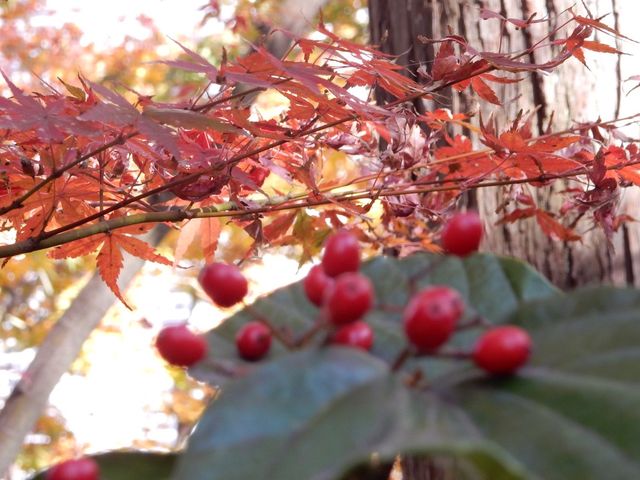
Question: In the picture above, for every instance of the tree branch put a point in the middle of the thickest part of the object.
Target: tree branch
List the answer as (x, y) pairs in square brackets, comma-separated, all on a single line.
[(230, 209)]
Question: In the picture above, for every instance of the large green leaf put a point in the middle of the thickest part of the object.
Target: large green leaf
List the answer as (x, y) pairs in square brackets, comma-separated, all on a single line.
[(317, 413), (130, 465), (572, 413), (582, 389)]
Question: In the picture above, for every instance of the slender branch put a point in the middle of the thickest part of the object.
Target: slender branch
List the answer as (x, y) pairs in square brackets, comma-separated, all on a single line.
[(71, 231), (189, 178), (476, 322), (230, 209), (234, 160), (452, 354), (207, 106)]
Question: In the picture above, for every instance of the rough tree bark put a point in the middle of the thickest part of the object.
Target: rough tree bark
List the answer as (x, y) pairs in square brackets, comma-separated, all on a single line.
[(573, 94)]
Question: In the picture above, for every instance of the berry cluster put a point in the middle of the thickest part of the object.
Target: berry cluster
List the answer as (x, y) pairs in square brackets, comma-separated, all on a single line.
[(344, 296), (226, 286), (432, 315), (342, 292)]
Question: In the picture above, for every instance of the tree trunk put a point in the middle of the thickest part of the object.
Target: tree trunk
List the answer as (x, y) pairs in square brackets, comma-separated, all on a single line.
[(56, 354), (573, 93)]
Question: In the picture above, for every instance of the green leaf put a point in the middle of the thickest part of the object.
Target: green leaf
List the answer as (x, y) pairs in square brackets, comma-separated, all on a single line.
[(131, 465), (317, 414), (571, 413), (576, 405)]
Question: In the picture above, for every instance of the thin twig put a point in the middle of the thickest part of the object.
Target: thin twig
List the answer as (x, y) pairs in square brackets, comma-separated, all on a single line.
[(319, 325), (476, 322), (17, 203), (227, 210), (400, 360), (278, 333)]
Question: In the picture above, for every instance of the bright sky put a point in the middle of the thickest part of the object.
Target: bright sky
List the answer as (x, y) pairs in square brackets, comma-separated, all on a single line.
[(105, 23), (127, 378)]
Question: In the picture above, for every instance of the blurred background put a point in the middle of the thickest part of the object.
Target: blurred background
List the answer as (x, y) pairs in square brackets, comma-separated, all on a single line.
[(119, 393)]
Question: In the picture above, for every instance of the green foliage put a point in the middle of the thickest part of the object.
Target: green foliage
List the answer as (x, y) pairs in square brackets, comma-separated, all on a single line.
[(322, 412)]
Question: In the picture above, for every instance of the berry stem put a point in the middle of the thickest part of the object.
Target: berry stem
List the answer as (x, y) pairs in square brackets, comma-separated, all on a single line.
[(227, 370), (423, 272), (390, 308), (280, 334), (453, 354), (307, 336), (402, 357), (476, 322)]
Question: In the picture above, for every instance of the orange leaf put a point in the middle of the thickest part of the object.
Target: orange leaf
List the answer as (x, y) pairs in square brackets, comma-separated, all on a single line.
[(140, 249), (484, 91), (631, 174), (279, 226), (209, 234), (599, 47), (497, 79), (550, 226), (75, 249), (551, 144), (109, 264), (185, 239), (513, 141), (579, 54), (517, 214), (600, 26)]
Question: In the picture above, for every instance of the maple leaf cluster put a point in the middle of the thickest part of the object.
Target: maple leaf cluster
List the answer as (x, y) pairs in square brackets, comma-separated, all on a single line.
[(86, 169)]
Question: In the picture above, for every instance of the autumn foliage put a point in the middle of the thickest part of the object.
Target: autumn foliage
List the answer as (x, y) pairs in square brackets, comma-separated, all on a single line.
[(86, 168)]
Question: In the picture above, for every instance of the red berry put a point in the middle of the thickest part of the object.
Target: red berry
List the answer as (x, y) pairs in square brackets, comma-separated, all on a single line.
[(180, 346), (431, 317), (502, 350), (349, 298), (341, 254), (316, 283), (462, 234), (357, 334), (78, 469), (224, 283), (253, 341)]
